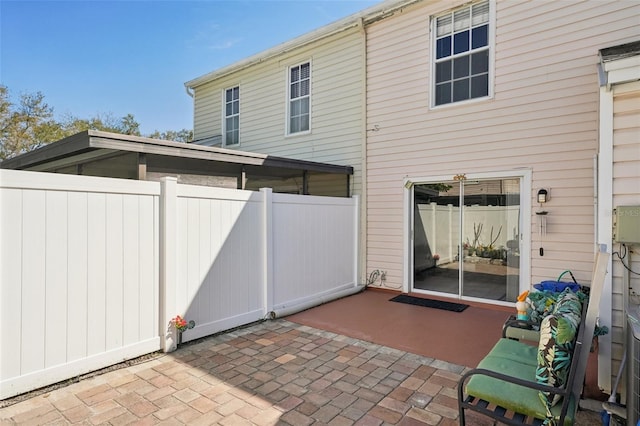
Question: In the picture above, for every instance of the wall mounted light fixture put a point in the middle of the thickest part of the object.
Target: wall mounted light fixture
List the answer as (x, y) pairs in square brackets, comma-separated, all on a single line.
[(543, 196)]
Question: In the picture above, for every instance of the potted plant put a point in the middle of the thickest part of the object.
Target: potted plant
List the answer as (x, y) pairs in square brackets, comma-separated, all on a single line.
[(180, 324)]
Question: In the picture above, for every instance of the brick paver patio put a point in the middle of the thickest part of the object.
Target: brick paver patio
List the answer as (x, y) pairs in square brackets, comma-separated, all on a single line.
[(274, 372)]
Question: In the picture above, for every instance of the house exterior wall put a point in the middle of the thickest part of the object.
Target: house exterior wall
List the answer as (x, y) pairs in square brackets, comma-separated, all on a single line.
[(626, 192), (337, 87), (542, 117), (541, 121)]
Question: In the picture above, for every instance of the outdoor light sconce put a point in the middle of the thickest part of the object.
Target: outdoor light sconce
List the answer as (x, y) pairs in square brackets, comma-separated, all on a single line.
[(543, 196)]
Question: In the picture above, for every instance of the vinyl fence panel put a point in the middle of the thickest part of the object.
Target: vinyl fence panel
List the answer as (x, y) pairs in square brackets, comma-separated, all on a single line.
[(241, 254), (314, 247), (79, 276), (93, 269), (220, 259)]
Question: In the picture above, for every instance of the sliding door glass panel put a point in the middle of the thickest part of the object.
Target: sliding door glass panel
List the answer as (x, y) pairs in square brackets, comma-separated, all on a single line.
[(436, 237), (490, 222)]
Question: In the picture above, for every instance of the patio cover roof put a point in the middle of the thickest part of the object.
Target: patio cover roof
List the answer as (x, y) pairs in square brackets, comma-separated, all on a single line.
[(92, 145), (167, 156)]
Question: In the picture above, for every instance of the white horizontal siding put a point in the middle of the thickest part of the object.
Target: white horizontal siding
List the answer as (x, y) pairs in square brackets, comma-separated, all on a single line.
[(336, 110), (626, 149), (626, 192), (549, 23), (543, 116), (626, 159), (207, 113)]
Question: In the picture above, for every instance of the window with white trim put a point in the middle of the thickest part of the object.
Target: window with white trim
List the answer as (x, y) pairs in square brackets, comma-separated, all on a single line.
[(232, 116), (461, 46), (299, 98)]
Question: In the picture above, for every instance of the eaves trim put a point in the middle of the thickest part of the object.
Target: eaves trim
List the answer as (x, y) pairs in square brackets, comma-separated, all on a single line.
[(372, 14)]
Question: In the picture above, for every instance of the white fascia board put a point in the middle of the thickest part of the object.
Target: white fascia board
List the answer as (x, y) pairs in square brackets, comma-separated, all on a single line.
[(623, 70), (373, 13)]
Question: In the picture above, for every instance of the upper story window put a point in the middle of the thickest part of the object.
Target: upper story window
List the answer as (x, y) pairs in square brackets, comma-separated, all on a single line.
[(299, 98), (232, 116), (461, 47)]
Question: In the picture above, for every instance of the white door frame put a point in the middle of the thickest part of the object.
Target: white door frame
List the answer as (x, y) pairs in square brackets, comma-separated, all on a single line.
[(525, 226)]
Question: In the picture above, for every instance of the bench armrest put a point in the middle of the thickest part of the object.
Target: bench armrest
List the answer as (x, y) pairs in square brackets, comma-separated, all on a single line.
[(520, 330)]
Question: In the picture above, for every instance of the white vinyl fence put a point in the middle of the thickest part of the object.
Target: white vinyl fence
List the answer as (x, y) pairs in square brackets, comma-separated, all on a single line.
[(439, 226), (313, 249), (93, 269)]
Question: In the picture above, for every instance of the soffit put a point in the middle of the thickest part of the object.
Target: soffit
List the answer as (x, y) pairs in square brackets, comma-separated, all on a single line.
[(95, 145)]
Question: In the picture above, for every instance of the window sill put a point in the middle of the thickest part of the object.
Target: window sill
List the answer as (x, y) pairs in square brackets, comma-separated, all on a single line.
[(461, 103), (293, 135)]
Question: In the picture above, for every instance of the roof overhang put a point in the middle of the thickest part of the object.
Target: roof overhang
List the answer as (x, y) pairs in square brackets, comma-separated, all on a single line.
[(95, 145), (619, 64), (359, 19)]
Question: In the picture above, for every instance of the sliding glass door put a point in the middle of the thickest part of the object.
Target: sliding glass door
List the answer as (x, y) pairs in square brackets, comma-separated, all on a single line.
[(466, 238), (436, 216)]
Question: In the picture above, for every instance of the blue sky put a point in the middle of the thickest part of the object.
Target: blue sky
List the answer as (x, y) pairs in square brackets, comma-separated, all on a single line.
[(133, 57)]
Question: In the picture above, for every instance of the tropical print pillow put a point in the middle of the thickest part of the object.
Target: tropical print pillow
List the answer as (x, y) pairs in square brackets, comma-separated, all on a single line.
[(568, 302), (543, 303), (557, 333)]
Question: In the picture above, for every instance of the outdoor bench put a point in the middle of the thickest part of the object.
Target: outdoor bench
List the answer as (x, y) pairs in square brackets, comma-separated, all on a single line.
[(519, 383)]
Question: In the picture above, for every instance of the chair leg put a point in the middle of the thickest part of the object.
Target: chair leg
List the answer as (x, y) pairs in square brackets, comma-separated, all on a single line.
[(462, 420)]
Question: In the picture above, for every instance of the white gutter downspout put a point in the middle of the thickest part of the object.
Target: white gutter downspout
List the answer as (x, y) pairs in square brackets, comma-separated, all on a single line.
[(604, 220), (192, 94)]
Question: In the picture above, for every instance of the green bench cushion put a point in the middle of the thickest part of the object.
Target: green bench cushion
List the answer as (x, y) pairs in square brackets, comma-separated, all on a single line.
[(515, 351), (509, 395), (547, 363)]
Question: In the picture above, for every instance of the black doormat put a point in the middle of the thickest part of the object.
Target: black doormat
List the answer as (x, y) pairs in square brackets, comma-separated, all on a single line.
[(429, 303)]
